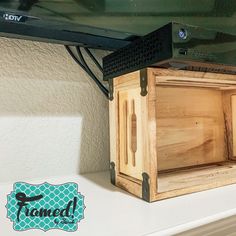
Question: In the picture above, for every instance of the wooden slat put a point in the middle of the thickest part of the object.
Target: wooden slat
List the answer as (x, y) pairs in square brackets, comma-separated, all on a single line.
[(190, 127), (169, 74), (196, 176), (227, 107), (233, 104), (130, 185)]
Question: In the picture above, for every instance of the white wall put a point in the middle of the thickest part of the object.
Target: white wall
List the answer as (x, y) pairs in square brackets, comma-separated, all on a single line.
[(53, 119)]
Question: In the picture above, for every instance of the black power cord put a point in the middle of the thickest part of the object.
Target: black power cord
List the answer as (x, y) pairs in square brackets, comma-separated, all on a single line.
[(94, 59), (82, 63)]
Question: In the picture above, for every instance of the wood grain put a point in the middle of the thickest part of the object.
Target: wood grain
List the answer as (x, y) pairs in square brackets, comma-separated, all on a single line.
[(233, 105), (227, 107), (191, 127), (131, 162), (196, 176)]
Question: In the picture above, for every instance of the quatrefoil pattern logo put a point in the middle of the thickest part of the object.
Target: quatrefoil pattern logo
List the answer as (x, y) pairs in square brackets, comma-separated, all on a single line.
[(45, 206)]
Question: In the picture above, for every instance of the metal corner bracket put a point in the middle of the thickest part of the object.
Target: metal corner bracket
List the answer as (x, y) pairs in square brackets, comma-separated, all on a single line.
[(111, 89), (143, 82), (145, 187), (113, 173)]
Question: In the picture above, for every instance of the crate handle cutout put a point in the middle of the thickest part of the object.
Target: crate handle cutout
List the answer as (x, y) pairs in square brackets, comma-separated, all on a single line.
[(133, 139), (125, 114)]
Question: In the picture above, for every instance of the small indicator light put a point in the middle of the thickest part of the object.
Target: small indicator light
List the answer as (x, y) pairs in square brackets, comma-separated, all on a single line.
[(183, 34)]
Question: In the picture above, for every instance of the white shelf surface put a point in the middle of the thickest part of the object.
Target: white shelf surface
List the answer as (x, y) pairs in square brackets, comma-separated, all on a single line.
[(112, 212)]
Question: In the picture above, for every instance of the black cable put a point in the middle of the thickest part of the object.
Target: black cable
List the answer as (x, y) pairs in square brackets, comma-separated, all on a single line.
[(74, 57), (85, 67), (94, 59), (96, 80)]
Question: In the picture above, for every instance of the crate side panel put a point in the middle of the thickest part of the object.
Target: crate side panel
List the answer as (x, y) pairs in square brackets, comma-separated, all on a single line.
[(130, 133)]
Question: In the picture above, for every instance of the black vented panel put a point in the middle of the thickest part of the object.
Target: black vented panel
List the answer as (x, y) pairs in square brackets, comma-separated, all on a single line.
[(194, 66), (143, 52), (210, 69)]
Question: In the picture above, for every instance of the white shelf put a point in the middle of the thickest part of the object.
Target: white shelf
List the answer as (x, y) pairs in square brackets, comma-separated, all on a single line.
[(112, 212)]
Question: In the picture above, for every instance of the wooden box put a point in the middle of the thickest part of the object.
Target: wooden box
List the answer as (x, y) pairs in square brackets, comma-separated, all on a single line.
[(178, 137)]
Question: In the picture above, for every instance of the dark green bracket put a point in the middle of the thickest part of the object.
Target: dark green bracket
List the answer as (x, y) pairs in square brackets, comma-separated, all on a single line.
[(145, 187), (143, 82), (113, 173), (111, 89)]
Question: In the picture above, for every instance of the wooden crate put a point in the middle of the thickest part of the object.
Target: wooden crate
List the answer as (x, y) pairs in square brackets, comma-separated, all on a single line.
[(178, 137)]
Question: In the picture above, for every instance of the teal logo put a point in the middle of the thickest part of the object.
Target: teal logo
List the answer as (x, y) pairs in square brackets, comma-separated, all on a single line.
[(45, 206)]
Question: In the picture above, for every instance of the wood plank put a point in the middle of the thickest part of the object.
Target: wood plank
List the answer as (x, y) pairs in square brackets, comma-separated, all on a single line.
[(150, 133), (127, 81), (200, 82), (131, 162), (127, 183), (167, 74), (190, 127), (197, 176), (227, 107), (233, 104), (113, 122)]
